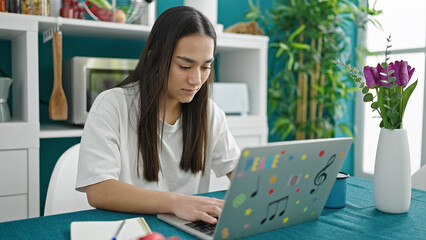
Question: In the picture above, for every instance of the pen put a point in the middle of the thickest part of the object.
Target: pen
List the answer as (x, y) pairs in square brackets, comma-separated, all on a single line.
[(119, 229)]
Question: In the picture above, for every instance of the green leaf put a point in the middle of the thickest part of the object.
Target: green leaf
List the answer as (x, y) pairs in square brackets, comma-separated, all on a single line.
[(392, 79), (297, 32), (365, 90), (300, 45), (368, 97), (406, 96), (396, 95), (283, 127), (375, 105), (346, 130)]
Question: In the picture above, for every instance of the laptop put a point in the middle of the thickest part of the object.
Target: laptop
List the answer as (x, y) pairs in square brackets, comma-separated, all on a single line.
[(275, 185)]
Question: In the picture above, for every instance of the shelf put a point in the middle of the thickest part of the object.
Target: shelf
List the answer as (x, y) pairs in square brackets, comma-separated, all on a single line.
[(90, 28), (60, 131), (16, 134), (13, 25)]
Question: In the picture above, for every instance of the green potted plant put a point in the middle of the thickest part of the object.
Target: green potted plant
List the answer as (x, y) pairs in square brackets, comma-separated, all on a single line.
[(305, 93)]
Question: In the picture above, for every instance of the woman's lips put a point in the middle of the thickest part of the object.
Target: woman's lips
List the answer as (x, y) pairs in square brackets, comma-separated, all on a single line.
[(190, 91)]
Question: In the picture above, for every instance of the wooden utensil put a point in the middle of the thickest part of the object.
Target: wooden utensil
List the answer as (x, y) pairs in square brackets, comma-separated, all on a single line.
[(58, 108)]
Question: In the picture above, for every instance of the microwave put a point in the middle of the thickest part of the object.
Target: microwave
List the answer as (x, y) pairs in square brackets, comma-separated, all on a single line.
[(84, 78)]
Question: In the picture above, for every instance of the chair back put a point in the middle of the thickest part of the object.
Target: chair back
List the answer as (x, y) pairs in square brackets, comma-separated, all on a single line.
[(61, 194)]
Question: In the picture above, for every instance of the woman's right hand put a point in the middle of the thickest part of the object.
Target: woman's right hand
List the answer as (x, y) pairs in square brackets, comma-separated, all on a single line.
[(194, 208)]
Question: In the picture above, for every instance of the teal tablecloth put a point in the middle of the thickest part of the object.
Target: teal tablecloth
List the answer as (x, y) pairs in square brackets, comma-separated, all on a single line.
[(358, 220)]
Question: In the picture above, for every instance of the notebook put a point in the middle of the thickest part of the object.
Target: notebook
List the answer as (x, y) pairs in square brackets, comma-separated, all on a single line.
[(129, 229), (275, 185)]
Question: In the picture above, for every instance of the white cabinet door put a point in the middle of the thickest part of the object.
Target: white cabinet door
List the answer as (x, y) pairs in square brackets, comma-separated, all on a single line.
[(13, 185), (13, 172), (13, 207)]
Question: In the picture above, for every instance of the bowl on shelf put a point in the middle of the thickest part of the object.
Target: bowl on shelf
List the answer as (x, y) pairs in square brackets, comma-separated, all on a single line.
[(102, 10)]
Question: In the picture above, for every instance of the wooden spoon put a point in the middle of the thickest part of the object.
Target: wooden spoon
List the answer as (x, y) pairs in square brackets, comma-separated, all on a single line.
[(58, 108)]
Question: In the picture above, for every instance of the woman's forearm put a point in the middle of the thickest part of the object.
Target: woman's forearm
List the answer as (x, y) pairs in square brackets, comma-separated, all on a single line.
[(119, 196)]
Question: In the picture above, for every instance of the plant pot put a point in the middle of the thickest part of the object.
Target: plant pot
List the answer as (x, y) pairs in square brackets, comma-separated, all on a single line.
[(392, 172)]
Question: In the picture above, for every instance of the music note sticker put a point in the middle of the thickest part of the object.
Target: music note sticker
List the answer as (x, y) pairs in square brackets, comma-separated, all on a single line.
[(278, 206), (257, 187), (322, 175)]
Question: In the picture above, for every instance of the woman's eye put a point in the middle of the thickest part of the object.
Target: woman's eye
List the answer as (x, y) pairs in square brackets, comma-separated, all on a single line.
[(206, 68), (184, 67)]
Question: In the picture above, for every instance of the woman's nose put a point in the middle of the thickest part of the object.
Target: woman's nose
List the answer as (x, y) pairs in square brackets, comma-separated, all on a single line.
[(195, 77)]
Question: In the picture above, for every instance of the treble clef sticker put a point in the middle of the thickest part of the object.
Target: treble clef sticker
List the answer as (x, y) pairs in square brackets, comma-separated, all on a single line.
[(322, 175)]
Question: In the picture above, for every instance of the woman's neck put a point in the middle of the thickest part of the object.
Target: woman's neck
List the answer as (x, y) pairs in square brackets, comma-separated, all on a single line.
[(172, 112)]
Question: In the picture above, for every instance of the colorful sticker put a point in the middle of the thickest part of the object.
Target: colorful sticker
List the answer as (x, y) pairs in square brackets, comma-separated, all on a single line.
[(248, 211), (294, 179), (272, 179), (239, 200), (246, 153), (304, 157), (225, 233), (285, 220)]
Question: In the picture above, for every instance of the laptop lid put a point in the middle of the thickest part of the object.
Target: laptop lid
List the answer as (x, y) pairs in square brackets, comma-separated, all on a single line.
[(276, 185)]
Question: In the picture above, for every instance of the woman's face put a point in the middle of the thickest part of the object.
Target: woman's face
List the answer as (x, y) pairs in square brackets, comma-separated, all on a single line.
[(190, 67)]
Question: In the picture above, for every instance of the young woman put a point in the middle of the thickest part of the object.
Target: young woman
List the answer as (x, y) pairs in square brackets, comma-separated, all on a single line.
[(151, 142)]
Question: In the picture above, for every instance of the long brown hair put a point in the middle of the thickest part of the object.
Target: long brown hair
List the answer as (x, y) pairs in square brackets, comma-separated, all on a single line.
[(152, 74)]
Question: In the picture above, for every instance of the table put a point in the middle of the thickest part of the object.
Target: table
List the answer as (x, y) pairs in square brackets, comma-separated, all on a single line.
[(358, 220)]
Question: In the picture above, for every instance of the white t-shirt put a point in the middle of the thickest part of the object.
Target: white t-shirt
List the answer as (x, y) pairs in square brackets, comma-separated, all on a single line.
[(108, 147)]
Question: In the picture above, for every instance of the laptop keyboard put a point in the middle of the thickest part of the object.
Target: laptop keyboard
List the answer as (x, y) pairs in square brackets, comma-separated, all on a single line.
[(206, 228)]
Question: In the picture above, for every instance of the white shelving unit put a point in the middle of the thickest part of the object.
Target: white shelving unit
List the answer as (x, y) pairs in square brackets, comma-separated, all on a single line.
[(243, 58)]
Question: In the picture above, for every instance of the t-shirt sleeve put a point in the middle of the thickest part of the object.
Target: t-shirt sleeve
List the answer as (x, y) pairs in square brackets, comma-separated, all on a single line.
[(99, 157), (225, 150)]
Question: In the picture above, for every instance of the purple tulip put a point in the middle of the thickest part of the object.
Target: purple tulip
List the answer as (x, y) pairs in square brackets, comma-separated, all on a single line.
[(403, 72), (372, 77)]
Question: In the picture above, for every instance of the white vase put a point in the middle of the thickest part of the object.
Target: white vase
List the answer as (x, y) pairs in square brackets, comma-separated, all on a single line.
[(392, 172)]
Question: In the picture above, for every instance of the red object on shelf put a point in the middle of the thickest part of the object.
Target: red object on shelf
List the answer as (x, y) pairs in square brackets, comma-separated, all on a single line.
[(67, 10)]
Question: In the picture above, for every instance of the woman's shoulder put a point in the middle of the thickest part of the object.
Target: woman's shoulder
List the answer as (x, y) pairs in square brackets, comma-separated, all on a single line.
[(114, 97)]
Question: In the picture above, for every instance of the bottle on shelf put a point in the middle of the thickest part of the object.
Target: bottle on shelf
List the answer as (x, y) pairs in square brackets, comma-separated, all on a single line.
[(67, 9)]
